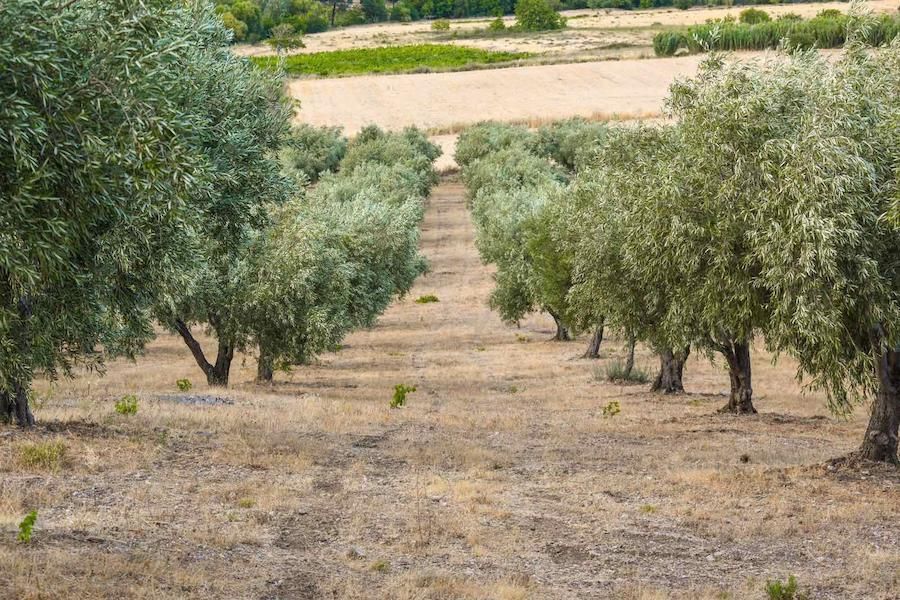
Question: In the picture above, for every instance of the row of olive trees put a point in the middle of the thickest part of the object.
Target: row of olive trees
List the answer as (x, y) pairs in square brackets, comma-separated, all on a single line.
[(768, 210), (147, 174), (331, 260)]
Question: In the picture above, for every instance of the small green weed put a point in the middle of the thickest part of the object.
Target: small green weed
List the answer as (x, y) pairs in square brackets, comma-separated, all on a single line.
[(648, 509), (522, 339), (246, 503), (400, 392), (615, 370), (776, 590), (26, 527), (43, 455), (427, 299), (380, 566), (128, 405), (612, 409), (440, 25), (184, 385)]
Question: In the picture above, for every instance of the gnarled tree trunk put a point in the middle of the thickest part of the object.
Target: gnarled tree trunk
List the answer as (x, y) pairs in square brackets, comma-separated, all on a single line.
[(7, 407), (880, 442), (562, 332), (669, 380), (737, 355), (629, 362), (593, 349), (15, 396), (264, 367), (216, 374)]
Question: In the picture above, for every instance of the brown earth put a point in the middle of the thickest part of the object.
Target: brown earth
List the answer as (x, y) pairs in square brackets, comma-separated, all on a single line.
[(500, 480)]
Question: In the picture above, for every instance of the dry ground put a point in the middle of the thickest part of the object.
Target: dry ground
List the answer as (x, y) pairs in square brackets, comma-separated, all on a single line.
[(597, 34), (612, 90), (501, 479)]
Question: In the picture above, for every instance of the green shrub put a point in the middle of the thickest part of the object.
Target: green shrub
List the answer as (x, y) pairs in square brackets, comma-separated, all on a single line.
[(427, 299), (570, 142), (386, 59), (351, 16), (752, 16), (400, 392), (682, 4), (127, 405), (497, 24), (310, 151), (612, 409), (374, 10), (776, 590), (440, 25), (27, 526), (616, 371), (667, 43), (488, 137), (184, 385), (538, 15), (43, 455)]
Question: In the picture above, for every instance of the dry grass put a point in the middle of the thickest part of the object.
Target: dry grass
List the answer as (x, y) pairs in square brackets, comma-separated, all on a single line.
[(500, 479)]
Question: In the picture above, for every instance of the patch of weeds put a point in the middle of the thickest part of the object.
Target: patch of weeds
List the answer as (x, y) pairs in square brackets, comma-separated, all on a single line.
[(26, 527), (615, 370), (648, 509), (513, 389), (440, 25), (380, 566), (246, 503), (522, 339), (776, 590), (184, 385), (695, 402), (43, 455), (427, 299), (611, 409), (400, 392), (127, 405), (480, 348)]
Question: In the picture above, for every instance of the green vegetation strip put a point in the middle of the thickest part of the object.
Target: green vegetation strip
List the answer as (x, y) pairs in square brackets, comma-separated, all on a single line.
[(388, 59), (827, 30)]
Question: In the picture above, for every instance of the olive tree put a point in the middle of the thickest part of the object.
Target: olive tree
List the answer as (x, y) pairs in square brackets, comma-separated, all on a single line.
[(335, 259), (99, 180), (604, 213), (246, 118)]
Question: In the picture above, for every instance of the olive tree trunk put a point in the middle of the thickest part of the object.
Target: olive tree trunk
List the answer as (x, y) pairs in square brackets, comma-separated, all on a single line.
[(593, 349), (562, 332), (265, 367), (14, 394), (669, 380), (629, 362), (216, 374), (880, 442), (737, 355)]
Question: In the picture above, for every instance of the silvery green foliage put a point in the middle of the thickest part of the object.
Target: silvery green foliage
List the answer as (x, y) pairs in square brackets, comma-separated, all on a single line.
[(509, 169), (570, 143), (761, 211), (409, 147), (485, 138), (104, 173), (509, 191), (310, 151), (335, 259), (246, 117)]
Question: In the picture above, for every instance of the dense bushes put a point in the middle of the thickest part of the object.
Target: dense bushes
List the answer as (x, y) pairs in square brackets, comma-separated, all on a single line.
[(828, 30), (537, 15), (310, 151)]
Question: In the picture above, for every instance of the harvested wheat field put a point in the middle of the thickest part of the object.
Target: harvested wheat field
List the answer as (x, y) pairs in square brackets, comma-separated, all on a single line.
[(618, 90), (500, 479)]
